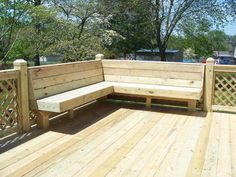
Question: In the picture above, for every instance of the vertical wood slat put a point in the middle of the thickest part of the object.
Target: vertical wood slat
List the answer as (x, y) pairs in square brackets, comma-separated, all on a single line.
[(23, 91), (208, 91)]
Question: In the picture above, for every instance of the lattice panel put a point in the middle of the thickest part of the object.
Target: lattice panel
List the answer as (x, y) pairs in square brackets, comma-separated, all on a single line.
[(8, 104), (225, 89)]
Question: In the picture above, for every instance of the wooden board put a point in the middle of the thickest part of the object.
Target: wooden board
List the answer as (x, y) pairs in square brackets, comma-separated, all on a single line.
[(153, 73), (127, 142), (157, 90), (71, 99), (153, 81), (153, 65), (143, 72), (49, 80), (9, 74)]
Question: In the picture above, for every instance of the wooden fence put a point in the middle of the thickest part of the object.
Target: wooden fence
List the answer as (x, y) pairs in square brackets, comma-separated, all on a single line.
[(219, 94), (14, 107), (224, 91)]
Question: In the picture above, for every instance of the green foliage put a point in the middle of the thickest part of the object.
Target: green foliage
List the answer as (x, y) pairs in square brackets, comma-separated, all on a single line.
[(79, 29)]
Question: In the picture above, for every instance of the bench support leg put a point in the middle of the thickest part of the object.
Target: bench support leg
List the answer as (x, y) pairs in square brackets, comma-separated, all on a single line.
[(148, 102), (43, 119), (192, 105), (71, 113)]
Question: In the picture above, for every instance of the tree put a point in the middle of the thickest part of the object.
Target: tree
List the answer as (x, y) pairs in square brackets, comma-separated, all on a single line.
[(166, 15), (11, 22), (130, 24), (218, 40), (231, 5)]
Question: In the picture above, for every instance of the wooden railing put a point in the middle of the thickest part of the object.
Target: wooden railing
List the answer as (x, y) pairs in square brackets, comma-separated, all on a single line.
[(220, 87), (224, 95), (15, 115), (14, 108), (9, 101)]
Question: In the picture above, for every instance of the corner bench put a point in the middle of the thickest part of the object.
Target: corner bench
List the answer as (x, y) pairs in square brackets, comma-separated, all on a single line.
[(165, 80), (63, 87)]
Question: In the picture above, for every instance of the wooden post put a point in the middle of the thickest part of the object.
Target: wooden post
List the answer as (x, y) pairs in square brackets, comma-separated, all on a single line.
[(208, 91), (148, 102), (23, 91), (192, 105), (99, 57)]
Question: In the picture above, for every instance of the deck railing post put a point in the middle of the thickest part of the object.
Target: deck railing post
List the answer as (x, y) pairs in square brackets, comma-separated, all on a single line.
[(99, 57), (23, 91), (208, 91)]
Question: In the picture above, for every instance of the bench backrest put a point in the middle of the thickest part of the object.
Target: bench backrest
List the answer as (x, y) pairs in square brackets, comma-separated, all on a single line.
[(158, 73), (49, 80)]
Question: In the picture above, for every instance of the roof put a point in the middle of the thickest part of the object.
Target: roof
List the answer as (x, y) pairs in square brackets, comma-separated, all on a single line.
[(223, 54), (156, 51)]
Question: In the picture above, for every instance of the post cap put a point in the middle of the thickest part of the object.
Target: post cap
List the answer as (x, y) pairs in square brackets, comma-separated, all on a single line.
[(99, 57), (20, 62), (210, 60)]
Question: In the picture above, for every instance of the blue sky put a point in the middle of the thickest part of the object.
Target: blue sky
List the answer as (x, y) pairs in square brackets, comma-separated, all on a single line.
[(230, 29)]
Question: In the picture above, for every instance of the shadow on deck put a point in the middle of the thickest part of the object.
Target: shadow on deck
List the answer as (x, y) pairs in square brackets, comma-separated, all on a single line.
[(121, 139)]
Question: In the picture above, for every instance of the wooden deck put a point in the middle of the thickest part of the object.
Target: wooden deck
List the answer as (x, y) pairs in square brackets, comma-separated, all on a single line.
[(113, 139)]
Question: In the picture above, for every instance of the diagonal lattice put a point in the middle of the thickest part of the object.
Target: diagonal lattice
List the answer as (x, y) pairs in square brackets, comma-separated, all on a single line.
[(225, 89), (8, 104)]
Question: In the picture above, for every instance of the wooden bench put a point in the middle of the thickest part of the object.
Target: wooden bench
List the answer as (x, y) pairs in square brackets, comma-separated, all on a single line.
[(62, 87), (171, 81)]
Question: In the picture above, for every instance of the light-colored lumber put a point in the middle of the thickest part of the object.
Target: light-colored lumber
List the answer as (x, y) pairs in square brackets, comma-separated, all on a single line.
[(196, 166), (153, 81), (171, 74), (208, 91), (157, 90), (24, 165), (126, 148), (71, 113), (220, 108), (52, 90), (192, 105), (225, 68), (9, 74), (65, 78), (20, 152), (65, 68), (224, 167), (232, 128), (153, 65), (23, 90), (148, 102), (133, 163), (84, 155), (74, 98), (185, 151), (43, 119), (85, 137), (99, 57)]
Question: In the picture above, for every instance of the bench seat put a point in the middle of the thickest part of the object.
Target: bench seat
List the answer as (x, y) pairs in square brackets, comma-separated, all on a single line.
[(187, 93), (71, 99)]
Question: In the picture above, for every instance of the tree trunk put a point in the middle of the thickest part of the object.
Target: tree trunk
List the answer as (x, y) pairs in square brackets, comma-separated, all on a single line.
[(162, 53), (37, 59), (38, 31)]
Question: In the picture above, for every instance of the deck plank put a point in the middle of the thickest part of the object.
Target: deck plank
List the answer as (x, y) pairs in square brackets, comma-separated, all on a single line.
[(218, 155), (129, 141), (137, 157), (85, 152)]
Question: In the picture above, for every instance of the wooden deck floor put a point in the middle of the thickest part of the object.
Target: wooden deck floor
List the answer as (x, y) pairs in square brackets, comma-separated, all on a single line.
[(121, 140)]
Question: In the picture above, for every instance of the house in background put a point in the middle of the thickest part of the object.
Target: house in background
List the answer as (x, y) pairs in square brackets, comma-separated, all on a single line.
[(51, 59), (225, 57), (154, 55)]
